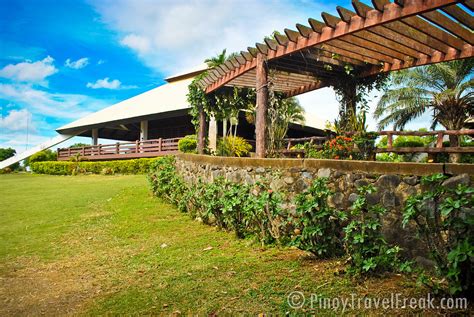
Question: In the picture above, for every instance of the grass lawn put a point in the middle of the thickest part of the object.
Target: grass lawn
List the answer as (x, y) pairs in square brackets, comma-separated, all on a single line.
[(102, 244)]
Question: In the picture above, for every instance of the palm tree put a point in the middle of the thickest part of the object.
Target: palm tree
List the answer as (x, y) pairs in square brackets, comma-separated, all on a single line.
[(219, 59), (281, 112), (446, 89)]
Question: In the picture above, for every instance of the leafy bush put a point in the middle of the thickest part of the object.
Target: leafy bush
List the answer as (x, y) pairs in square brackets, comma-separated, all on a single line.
[(264, 216), (165, 182), (444, 219), (365, 142), (137, 166), (465, 157), (188, 144), (403, 141), (318, 227), (42, 156), (233, 146), (246, 210), (363, 239), (6, 153), (389, 157)]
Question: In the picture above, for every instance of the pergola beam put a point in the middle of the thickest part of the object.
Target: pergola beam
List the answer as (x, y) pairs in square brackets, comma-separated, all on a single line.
[(389, 36)]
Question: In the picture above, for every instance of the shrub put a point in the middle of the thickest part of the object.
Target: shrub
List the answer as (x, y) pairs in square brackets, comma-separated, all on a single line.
[(365, 142), (165, 182), (340, 147), (188, 144), (368, 250), (233, 146), (246, 210), (42, 156), (318, 227), (6, 153), (444, 219), (263, 214), (137, 166)]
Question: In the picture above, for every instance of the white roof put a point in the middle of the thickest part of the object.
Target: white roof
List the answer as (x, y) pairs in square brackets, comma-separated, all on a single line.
[(311, 120), (168, 97)]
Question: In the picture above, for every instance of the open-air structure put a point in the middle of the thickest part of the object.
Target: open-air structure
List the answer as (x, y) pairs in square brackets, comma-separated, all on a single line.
[(387, 37), (365, 41)]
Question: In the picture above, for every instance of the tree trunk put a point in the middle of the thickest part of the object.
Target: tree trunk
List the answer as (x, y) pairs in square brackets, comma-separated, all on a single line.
[(454, 142), (224, 127), (202, 131)]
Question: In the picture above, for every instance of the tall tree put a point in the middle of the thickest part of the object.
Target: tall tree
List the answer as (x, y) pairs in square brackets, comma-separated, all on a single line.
[(445, 89)]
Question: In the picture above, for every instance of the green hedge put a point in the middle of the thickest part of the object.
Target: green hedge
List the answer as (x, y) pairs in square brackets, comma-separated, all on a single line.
[(138, 166)]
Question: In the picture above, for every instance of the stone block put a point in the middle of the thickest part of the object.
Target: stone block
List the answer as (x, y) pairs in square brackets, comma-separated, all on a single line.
[(454, 181), (324, 172)]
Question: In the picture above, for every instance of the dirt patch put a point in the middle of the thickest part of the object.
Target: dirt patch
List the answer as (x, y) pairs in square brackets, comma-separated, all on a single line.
[(57, 288)]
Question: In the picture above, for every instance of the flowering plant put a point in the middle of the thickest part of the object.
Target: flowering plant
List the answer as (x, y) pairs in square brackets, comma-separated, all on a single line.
[(341, 147)]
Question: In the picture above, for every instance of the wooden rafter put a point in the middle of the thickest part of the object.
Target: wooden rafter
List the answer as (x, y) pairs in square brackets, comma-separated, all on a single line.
[(386, 37)]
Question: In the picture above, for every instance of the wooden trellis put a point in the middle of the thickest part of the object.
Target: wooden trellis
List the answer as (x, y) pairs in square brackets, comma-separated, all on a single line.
[(386, 37)]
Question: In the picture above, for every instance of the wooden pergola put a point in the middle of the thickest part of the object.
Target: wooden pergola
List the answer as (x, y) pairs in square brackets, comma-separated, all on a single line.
[(387, 37)]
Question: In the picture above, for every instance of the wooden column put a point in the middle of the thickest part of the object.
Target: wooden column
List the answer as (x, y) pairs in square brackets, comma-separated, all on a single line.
[(201, 131), (262, 101)]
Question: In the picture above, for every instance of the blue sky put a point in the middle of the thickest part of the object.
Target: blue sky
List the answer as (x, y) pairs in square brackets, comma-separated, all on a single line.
[(60, 60)]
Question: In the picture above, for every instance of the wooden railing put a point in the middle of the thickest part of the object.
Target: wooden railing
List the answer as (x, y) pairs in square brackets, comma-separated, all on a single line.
[(124, 150), (437, 148)]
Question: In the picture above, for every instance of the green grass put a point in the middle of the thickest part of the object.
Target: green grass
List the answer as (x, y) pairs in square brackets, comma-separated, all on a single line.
[(102, 244)]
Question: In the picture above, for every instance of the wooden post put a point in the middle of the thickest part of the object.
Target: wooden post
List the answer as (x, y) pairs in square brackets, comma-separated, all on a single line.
[(202, 130), (439, 140), (160, 142), (262, 100), (389, 140), (117, 148), (69, 152), (83, 151), (137, 146)]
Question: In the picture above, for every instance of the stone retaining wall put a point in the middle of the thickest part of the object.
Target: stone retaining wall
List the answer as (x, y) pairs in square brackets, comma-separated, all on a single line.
[(394, 181)]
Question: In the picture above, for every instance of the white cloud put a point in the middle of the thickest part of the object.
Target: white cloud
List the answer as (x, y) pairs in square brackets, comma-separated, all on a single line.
[(100, 62), (34, 72), (173, 36), (17, 120), (59, 106), (80, 63), (138, 43), (105, 83)]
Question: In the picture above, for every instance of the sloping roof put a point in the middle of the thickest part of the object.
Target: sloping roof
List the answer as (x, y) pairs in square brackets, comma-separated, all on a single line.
[(168, 97)]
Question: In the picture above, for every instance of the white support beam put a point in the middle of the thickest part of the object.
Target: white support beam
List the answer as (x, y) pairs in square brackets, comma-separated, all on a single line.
[(43, 146), (95, 137), (212, 134), (144, 130)]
